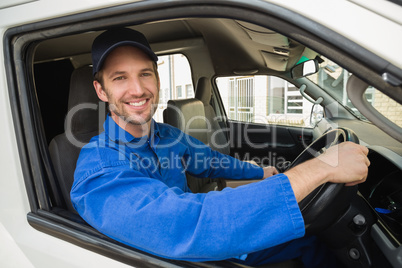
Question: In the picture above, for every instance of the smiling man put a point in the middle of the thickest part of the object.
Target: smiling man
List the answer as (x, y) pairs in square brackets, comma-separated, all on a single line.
[(129, 82), (124, 188)]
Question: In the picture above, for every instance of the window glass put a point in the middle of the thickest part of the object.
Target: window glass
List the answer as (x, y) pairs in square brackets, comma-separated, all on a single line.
[(189, 91), (176, 83), (263, 99), (179, 92), (333, 79), (385, 105)]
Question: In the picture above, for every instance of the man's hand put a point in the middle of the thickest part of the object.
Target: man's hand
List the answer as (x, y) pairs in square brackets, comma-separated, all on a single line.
[(269, 171), (345, 163)]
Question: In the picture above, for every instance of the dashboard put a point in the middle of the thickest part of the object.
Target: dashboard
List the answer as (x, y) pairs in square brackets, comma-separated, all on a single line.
[(383, 189), (380, 196)]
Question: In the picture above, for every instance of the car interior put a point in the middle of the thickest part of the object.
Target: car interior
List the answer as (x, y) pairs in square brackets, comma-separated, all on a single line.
[(58, 112)]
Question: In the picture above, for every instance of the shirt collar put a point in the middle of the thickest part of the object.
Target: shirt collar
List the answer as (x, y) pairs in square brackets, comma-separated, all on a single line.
[(118, 134)]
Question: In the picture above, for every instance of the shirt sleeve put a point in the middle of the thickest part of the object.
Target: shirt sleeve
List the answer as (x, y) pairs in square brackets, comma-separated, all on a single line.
[(144, 213), (204, 162)]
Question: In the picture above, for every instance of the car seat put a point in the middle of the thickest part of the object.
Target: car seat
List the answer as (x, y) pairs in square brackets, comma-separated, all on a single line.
[(84, 120), (188, 115), (216, 137), (196, 117)]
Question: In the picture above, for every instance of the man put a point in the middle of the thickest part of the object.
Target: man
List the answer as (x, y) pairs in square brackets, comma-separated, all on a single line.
[(130, 180)]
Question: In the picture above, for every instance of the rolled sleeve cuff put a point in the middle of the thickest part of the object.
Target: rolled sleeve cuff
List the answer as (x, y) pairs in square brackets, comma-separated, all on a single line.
[(293, 206)]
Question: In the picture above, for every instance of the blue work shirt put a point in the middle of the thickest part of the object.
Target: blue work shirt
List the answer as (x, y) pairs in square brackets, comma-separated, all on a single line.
[(134, 190)]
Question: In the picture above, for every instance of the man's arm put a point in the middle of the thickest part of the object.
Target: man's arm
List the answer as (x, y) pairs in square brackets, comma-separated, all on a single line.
[(269, 171), (346, 163), (144, 213), (204, 162)]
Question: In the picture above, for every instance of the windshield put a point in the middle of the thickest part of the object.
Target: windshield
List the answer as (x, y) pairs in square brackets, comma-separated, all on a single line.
[(333, 79)]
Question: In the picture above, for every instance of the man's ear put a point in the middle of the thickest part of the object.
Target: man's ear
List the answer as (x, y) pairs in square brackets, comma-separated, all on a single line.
[(100, 92)]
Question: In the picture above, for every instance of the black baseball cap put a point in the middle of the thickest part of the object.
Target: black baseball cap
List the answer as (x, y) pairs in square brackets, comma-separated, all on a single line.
[(113, 38)]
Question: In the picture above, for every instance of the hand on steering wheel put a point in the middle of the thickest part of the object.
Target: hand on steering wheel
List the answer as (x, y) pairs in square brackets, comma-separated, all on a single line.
[(324, 204)]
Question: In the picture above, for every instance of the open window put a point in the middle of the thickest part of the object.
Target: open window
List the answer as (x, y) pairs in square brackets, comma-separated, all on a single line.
[(176, 81), (264, 99)]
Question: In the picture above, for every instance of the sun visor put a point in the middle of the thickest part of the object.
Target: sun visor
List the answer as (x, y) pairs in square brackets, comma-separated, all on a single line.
[(274, 61), (264, 36)]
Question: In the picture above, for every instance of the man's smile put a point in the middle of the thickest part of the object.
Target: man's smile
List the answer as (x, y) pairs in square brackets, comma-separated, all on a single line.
[(137, 103)]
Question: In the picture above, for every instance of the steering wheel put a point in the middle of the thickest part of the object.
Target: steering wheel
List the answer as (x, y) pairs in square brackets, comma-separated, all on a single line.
[(327, 202)]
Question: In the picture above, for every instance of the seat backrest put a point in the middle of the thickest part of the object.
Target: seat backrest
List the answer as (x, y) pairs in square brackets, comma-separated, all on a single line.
[(188, 115), (216, 137), (86, 114)]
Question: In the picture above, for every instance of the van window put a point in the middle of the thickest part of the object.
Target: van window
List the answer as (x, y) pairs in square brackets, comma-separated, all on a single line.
[(176, 83), (263, 99)]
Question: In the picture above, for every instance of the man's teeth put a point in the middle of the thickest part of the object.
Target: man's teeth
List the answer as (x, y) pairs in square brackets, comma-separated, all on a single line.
[(138, 103)]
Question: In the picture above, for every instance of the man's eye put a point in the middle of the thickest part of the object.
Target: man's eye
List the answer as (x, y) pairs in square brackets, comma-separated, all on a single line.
[(146, 74), (118, 78)]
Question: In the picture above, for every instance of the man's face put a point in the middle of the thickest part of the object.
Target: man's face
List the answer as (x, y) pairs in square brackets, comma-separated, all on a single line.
[(130, 85)]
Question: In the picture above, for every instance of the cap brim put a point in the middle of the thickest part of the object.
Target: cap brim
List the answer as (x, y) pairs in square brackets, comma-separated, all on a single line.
[(148, 51)]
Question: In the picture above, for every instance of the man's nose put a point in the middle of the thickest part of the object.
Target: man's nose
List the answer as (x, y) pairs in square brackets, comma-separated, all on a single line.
[(136, 87)]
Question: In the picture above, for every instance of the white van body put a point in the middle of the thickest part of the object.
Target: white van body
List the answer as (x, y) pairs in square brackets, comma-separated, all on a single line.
[(23, 246)]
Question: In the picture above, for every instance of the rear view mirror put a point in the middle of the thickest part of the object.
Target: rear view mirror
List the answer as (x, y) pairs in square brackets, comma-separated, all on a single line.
[(304, 69)]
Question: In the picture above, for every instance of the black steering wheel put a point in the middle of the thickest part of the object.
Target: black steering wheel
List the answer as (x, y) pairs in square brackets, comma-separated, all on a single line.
[(327, 202)]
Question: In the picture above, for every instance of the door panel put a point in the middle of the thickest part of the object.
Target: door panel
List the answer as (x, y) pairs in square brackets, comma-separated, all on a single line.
[(268, 120), (267, 144)]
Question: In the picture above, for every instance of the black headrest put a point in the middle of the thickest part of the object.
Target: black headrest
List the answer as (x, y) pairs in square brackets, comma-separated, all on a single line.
[(84, 115)]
